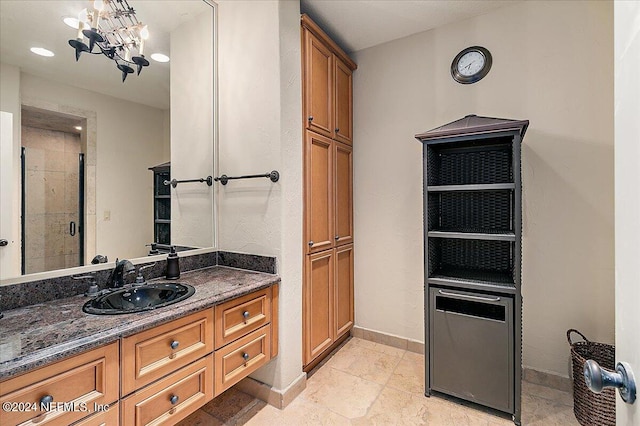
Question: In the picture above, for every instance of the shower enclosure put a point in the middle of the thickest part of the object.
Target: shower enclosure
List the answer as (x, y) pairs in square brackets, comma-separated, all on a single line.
[(52, 200)]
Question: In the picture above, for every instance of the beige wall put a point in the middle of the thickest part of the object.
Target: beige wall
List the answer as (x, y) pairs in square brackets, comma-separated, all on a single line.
[(129, 140), (259, 111), (553, 65), (192, 132)]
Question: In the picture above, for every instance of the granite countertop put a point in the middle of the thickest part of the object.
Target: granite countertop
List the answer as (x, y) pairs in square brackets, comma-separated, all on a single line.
[(36, 335)]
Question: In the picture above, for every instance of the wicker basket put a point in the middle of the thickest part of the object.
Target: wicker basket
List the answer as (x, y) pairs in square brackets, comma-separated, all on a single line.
[(592, 409)]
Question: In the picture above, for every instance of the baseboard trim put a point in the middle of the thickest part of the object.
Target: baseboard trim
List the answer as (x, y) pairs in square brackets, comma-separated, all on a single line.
[(278, 398), (549, 380), (528, 374), (388, 339)]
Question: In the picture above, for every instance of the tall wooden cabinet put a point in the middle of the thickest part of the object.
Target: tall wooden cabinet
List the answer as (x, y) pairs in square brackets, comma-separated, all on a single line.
[(328, 193)]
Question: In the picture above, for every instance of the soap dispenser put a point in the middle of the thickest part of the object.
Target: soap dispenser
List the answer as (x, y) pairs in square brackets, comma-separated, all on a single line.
[(173, 265)]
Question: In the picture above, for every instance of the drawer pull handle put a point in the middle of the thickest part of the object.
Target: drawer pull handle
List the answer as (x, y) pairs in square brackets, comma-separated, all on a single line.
[(175, 344), (468, 296), (46, 400), (245, 356), (245, 315), (174, 399)]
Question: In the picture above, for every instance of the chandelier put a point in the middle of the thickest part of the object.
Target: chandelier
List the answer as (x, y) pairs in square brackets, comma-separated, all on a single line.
[(113, 27)]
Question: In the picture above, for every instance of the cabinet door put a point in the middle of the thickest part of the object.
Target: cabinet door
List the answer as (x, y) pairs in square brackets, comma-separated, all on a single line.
[(318, 303), (343, 101), (319, 209), (318, 83), (343, 194), (344, 289)]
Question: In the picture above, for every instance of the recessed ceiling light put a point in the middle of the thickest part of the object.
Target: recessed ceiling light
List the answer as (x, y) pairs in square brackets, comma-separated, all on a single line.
[(42, 51), (77, 127), (159, 57)]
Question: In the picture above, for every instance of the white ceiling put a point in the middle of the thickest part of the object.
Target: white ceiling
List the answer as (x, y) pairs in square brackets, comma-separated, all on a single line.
[(354, 24), (358, 24), (28, 23)]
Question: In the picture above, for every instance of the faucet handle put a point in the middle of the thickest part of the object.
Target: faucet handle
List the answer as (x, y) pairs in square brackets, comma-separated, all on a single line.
[(93, 283), (140, 278), (91, 276)]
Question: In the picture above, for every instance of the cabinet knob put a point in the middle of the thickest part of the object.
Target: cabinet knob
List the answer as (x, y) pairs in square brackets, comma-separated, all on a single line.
[(3, 242), (245, 356), (175, 344), (245, 315), (337, 129), (337, 237), (310, 243), (310, 118), (46, 400), (174, 399)]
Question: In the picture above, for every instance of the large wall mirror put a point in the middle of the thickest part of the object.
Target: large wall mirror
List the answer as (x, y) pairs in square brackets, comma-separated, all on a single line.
[(85, 154)]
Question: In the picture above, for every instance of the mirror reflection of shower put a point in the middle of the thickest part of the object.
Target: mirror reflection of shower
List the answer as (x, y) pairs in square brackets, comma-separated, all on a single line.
[(53, 149)]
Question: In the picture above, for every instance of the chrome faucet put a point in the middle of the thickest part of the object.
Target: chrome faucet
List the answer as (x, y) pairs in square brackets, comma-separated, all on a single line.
[(123, 267)]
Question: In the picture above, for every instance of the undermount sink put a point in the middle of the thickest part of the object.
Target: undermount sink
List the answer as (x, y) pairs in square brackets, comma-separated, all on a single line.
[(138, 298)]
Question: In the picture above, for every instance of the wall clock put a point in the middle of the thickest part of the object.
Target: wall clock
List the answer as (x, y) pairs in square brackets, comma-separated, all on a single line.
[(471, 65)]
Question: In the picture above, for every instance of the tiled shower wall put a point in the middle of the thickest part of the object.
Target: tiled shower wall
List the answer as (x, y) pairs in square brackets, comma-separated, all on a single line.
[(51, 199)]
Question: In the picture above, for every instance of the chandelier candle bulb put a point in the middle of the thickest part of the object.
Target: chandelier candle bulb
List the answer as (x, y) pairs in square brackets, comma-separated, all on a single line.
[(144, 35)]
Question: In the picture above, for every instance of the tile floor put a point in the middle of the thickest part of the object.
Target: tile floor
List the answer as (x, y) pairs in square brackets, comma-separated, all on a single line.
[(366, 383)]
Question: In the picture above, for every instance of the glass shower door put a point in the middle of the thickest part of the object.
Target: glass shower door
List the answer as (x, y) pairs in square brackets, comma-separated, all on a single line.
[(52, 200)]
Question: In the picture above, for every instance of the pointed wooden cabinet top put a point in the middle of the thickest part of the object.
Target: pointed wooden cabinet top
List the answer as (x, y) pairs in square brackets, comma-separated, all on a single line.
[(474, 125)]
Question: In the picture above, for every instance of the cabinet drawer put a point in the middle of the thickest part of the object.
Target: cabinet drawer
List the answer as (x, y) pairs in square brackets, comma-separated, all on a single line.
[(154, 353), (79, 382), (172, 398), (238, 317), (109, 417), (241, 358)]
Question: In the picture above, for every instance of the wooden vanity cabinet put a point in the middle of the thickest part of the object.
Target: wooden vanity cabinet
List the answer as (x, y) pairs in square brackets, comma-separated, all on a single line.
[(328, 195), (328, 300), (327, 306), (327, 85), (80, 383), (158, 376), (177, 367)]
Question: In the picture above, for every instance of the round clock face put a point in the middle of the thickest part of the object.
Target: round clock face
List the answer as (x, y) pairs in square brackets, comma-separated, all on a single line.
[(471, 65)]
